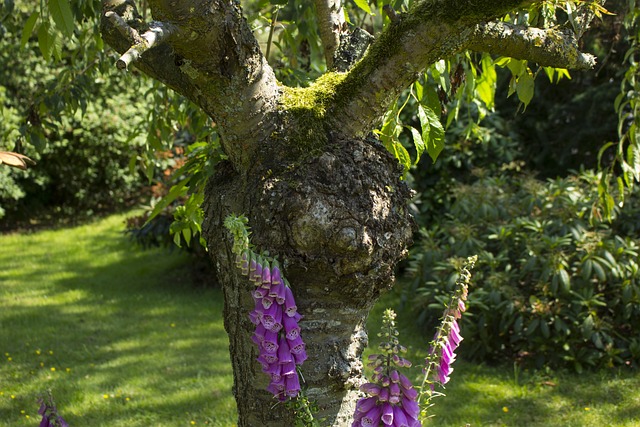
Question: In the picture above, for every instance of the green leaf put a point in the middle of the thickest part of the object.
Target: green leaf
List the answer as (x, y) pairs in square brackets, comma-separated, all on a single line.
[(187, 235), (486, 85), (45, 40), (402, 155), (364, 5), (61, 13), (524, 88), (28, 28), (178, 190), (432, 131), (419, 144)]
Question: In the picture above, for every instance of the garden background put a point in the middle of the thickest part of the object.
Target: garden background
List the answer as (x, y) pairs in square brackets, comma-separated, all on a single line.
[(125, 328)]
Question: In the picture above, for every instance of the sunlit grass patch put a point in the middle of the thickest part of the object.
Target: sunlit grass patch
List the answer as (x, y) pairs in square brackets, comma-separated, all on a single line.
[(121, 337)]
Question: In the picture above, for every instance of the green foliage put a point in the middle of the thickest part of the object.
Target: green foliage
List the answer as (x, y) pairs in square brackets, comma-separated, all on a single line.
[(52, 111), (552, 284)]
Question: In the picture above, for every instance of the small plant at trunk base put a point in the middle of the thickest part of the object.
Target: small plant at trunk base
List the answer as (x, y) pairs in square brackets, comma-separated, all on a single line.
[(49, 412), (275, 316), (391, 396), (446, 340)]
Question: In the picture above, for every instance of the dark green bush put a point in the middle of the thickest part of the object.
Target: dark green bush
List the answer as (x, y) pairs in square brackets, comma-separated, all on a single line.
[(552, 284), (77, 117)]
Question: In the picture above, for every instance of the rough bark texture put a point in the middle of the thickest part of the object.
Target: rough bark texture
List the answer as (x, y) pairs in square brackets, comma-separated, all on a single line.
[(339, 223)]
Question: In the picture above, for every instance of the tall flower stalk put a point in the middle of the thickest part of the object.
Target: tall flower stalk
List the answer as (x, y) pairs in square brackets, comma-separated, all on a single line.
[(49, 412), (442, 354), (275, 314), (391, 398)]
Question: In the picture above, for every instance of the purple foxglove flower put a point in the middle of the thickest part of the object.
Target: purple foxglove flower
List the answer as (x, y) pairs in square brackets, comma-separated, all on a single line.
[(266, 273), (277, 291), (385, 381), (399, 417), (365, 404), (263, 361), (259, 293), (273, 389), (280, 384), (291, 327), (260, 332), (266, 302), (292, 385), (461, 306), (394, 389), (275, 370), (410, 393), (405, 382), (62, 422), (270, 315), (371, 388), (404, 363), (289, 302), (284, 353), (288, 368), (270, 343), (297, 346), (300, 357), (258, 307), (276, 274), (394, 375), (42, 409), (277, 326), (254, 317), (411, 408), (256, 339), (372, 418), (252, 265), (443, 373), (384, 395), (387, 414), (454, 334), (268, 358), (257, 275)]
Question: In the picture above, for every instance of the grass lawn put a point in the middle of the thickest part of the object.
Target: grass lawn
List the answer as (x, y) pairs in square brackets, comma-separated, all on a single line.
[(123, 338)]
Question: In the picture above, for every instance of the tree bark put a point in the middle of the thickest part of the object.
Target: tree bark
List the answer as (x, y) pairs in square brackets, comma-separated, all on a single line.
[(338, 222), (320, 194)]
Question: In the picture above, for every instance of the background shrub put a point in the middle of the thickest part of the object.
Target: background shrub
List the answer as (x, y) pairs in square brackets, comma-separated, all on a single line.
[(553, 285)]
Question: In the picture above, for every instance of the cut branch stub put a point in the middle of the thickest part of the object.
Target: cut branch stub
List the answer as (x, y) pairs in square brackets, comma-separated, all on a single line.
[(156, 34)]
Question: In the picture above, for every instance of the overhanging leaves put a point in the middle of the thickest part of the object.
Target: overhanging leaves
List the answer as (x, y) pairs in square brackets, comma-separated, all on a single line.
[(61, 13)]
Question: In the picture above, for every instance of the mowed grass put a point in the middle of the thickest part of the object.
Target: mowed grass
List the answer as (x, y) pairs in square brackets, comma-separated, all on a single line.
[(123, 338)]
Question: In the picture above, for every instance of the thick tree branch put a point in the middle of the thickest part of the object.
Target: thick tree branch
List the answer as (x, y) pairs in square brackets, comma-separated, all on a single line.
[(430, 31), (547, 47), (331, 25), (212, 58)]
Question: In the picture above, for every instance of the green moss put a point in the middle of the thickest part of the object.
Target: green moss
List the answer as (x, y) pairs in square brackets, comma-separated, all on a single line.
[(305, 110)]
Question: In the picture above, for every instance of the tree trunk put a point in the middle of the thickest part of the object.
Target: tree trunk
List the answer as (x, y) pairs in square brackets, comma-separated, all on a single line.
[(338, 222), (319, 195)]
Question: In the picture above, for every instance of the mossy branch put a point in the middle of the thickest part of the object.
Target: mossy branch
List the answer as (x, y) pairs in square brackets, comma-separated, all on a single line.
[(430, 31), (547, 47)]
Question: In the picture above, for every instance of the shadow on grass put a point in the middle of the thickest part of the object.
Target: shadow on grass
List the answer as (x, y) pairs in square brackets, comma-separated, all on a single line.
[(121, 337)]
